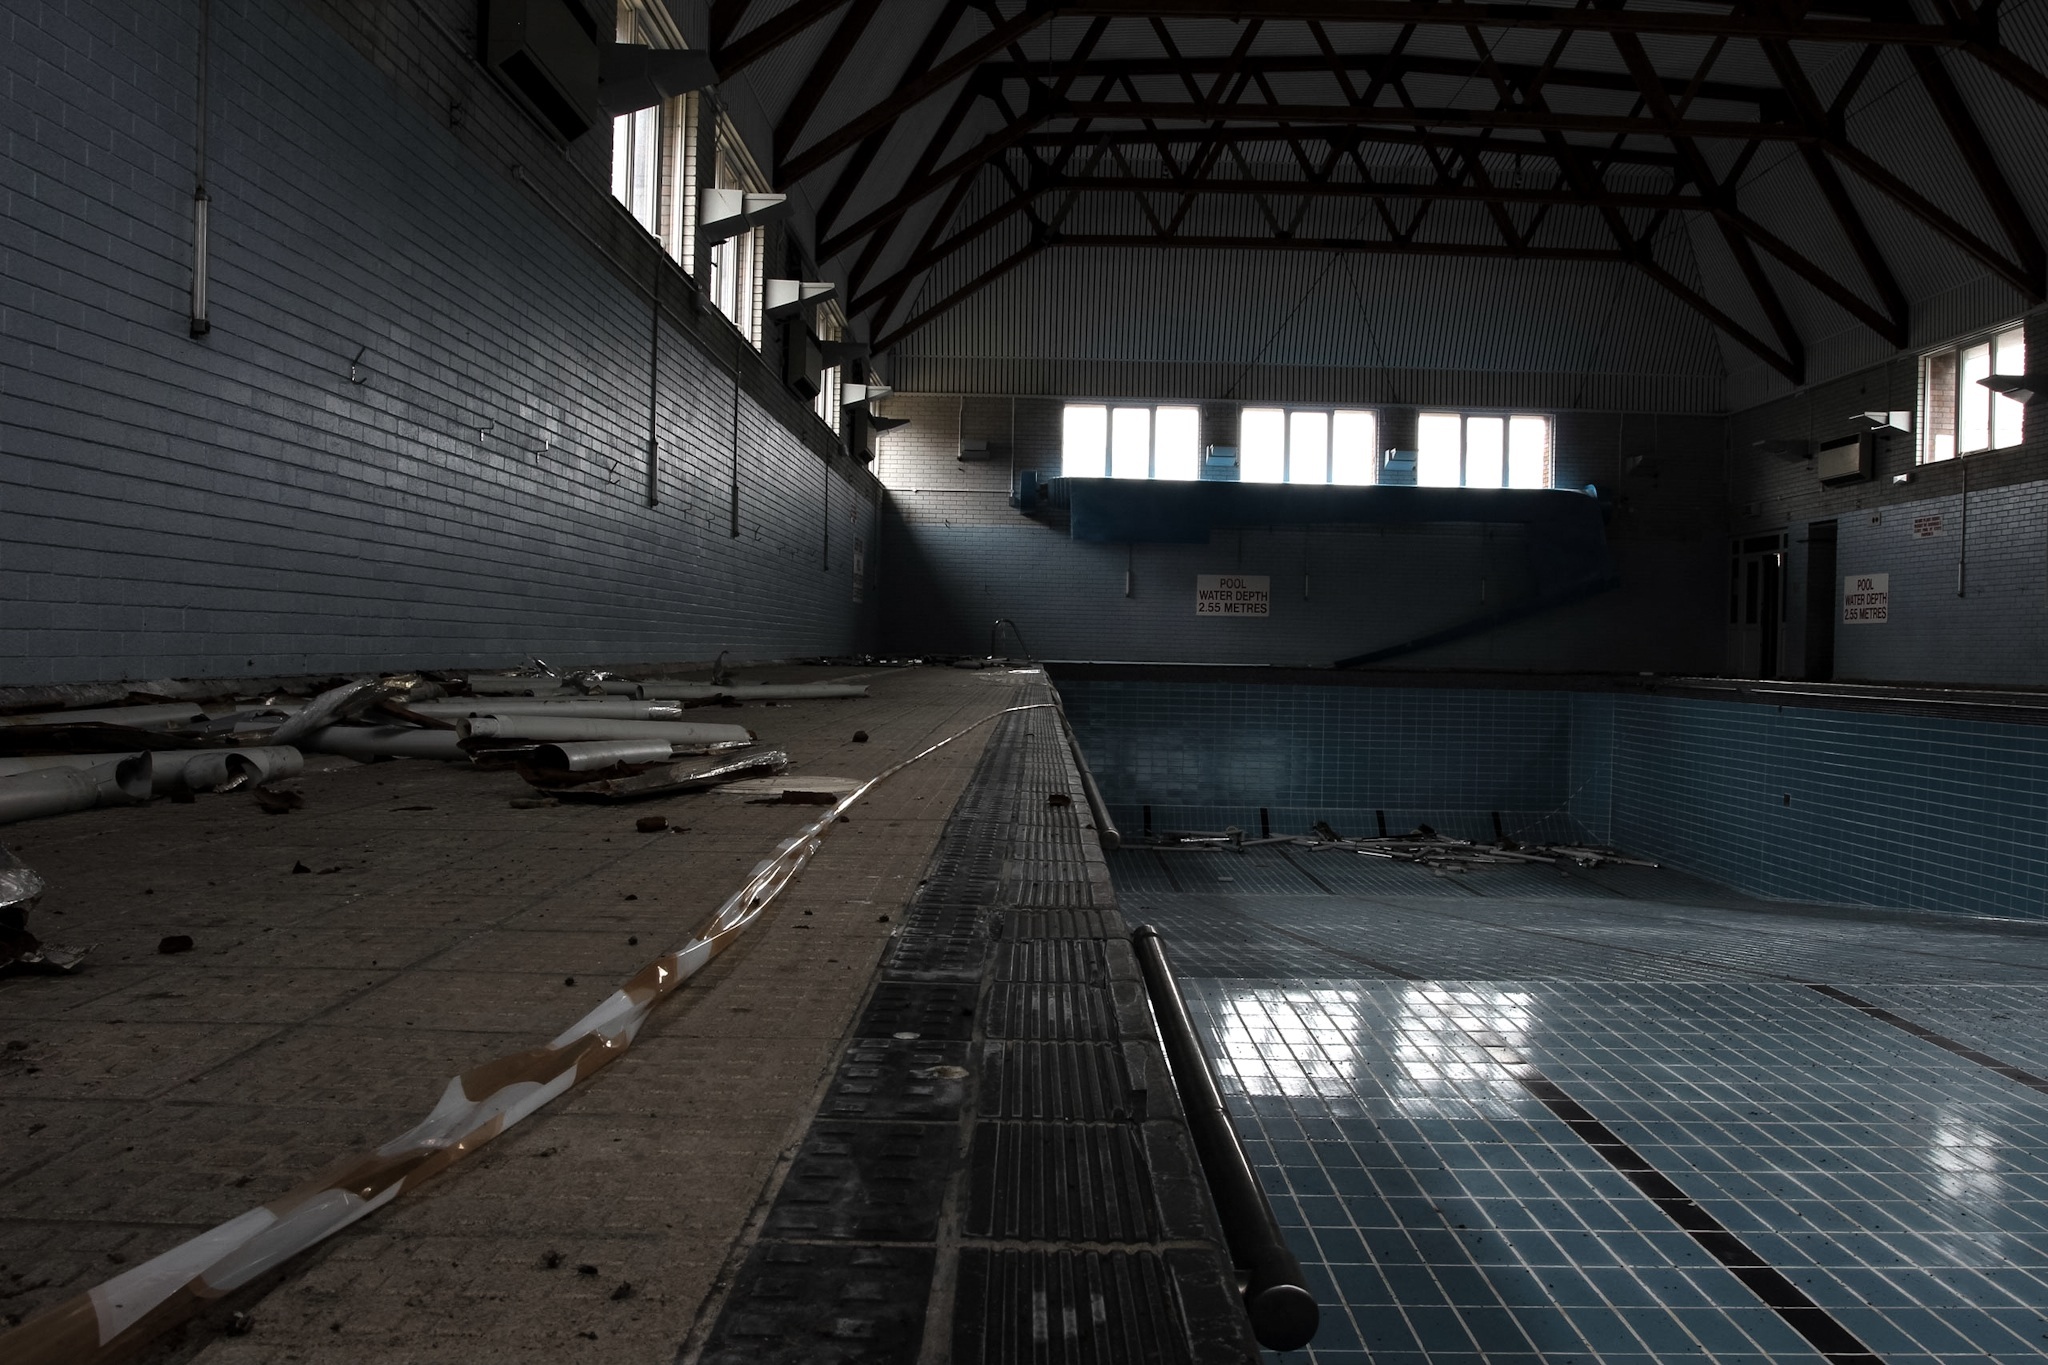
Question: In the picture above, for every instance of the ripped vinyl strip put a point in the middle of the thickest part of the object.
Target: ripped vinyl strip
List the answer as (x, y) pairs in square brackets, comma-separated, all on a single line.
[(110, 1320)]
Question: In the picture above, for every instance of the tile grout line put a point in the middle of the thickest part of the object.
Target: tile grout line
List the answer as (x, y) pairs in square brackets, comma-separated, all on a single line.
[(1928, 1035)]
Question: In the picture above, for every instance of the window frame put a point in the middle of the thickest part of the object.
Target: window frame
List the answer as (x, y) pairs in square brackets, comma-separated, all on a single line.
[(1110, 407), (668, 144), (831, 378), (1330, 412), (735, 278), (1998, 408), (1507, 417)]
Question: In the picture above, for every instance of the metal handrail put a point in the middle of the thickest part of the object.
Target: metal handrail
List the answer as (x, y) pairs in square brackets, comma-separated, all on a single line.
[(1106, 832), (1283, 1313), (995, 634)]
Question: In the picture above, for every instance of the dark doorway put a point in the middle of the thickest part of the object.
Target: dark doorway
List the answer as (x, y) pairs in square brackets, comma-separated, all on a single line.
[(1821, 574), (1756, 605)]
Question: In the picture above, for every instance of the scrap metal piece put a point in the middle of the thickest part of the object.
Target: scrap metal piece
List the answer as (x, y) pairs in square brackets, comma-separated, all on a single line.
[(20, 889), (554, 729), (367, 743), (675, 778)]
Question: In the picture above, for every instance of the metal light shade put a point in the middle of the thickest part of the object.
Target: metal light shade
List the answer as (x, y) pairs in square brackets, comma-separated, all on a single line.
[(2021, 388), (787, 298), (1894, 420), (633, 76), (725, 214)]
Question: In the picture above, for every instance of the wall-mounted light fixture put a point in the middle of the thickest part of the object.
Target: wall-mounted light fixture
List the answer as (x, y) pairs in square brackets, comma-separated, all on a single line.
[(851, 394), (725, 214), (2021, 388), (1894, 420), (787, 298), (633, 76)]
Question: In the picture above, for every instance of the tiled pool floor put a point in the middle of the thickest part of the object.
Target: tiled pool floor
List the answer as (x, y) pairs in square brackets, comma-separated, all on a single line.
[(1605, 1117)]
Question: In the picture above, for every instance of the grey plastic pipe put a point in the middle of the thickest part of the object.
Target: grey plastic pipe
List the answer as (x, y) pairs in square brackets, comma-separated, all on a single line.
[(367, 742), (585, 708), (58, 791), (753, 691), (214, 770), (550, 729), (134, 717), (603, 753)]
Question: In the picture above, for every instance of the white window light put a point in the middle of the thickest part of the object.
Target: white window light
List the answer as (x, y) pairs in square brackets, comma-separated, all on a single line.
[(1262, 445), (1959, 413), (1454, 450), (1084, 441), (1177, 443), (1130, 443), (1354, 447)]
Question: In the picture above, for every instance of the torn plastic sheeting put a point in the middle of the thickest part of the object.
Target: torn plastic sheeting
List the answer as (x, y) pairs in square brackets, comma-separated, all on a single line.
[(59, 791), (672, 779), (553, 729), (583, 708), (367, 742), (111, 1320)]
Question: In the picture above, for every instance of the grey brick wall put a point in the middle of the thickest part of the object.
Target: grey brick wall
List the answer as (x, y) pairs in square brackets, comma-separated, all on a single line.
[(235, 503), (957, 556)]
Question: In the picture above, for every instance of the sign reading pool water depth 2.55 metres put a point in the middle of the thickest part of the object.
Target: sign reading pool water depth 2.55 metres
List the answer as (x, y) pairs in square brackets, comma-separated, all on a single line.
[(1233, 594), (1866, 599)]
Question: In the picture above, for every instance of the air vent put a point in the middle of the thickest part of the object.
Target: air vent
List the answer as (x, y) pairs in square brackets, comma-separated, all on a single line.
[(545, 53), (800, 361), (1846, 460)]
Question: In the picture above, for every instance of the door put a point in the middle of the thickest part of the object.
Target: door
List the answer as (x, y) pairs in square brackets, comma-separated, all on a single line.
[(1821, 570), (1756, 605)]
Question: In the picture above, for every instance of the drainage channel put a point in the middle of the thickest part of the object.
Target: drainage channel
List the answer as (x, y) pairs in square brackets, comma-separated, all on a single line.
[(999, 1169)]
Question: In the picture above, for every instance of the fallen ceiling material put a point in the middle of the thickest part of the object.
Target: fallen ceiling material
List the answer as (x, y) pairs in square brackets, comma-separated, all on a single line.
[(231, 737), (1423, 846), (114, 1319), (20, 889)]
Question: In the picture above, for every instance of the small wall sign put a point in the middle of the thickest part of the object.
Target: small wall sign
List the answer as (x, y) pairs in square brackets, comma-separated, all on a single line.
[(1866, 599), (1927, 526), (1233, 594)]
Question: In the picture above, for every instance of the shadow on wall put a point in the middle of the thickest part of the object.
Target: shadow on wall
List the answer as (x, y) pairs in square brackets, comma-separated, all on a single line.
[(1333, 592)]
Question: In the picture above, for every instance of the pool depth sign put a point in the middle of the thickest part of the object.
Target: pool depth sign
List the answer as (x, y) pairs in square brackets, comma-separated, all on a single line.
[(1233, 594)]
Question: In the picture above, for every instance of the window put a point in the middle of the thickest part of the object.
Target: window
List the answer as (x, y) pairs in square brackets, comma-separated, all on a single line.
[(1958, 415), (1456, 450), (1307, 445), (831, 327), (736, 262), (1130, 441), (650, 147)]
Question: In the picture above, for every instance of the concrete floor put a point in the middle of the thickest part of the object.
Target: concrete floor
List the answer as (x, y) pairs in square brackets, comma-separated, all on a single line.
[(150, 1097), (1496, 1111)]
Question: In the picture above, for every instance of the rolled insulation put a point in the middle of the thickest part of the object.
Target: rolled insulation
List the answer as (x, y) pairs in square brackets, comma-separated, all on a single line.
[(551, 729), (366, 742), (58, 791)]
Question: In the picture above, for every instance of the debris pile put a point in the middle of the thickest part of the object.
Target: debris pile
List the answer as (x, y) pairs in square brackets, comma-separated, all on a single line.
[(1421, 845)]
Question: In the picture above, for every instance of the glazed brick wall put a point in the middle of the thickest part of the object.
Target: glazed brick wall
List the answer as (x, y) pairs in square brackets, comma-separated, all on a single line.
[(236, 503)]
